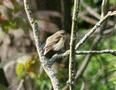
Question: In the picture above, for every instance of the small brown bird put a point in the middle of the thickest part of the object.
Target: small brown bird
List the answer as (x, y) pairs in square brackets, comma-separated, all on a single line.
[(55, 42)]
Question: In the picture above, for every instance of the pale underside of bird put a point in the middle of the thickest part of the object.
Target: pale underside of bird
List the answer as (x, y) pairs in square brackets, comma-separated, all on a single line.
[(55, 42)]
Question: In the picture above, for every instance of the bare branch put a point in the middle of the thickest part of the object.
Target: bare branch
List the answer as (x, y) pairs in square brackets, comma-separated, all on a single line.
[(57, 56), (72, 42), (93, 12), (96, 40), (94, 28), (97, 52), (44, 61), (87, 59), (90, 10), (103, 8)]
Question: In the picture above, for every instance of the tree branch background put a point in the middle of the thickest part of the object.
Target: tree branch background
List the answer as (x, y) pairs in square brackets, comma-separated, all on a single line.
[(95, 52)]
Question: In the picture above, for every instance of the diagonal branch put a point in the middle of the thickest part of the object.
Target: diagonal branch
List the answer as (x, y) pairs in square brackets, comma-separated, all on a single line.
[(36, 32), (93, 12), (94, 28), (97, 39)]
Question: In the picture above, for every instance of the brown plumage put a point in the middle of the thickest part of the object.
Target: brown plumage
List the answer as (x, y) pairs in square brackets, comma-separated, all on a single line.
[(55, 42)]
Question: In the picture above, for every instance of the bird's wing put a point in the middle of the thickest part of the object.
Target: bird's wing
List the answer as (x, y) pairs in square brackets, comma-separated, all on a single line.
[(51, 41)]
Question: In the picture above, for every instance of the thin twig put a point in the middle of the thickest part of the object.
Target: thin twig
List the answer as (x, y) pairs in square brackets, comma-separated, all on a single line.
[(94, 28), (96, 40), (44, 61), (57, 56), (104, 8), (90, 10), (97, 52), (93, 12), (72, 42), (87, 59)]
